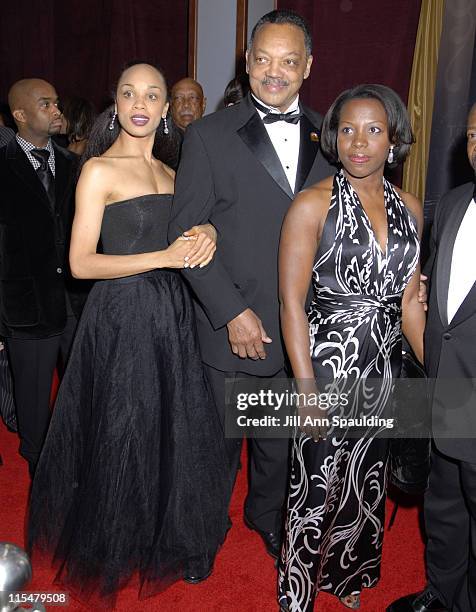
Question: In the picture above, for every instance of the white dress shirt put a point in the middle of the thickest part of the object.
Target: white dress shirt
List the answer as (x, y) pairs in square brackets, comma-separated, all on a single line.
[(286, 139), (463, 266)]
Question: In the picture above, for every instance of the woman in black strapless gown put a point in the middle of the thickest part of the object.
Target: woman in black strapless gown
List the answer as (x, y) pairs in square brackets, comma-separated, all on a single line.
[(131, 479)]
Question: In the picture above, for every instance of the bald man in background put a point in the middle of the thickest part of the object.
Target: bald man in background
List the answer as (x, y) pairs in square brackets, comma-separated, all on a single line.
[(187, 102), (39, 301)]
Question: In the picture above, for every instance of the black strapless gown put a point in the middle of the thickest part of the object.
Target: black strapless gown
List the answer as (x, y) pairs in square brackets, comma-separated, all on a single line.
[(132, 475)]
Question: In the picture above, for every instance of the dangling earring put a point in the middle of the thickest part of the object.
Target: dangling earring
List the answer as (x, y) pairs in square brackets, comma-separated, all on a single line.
[(391, 157), (166, 127), (111, 125)]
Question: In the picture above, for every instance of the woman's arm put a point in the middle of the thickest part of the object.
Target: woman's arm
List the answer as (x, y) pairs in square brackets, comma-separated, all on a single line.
[(91, 195), (299, 241), (297, 249), (413, 311), (413, 315), (204, 246)]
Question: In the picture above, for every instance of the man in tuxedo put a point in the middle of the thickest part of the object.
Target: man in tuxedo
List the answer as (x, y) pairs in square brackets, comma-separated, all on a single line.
[(450, 358), (38, 300), (240, 170)]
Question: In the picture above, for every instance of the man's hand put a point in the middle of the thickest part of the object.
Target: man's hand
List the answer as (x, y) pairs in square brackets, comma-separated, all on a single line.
[(422, 293), (247, 335)]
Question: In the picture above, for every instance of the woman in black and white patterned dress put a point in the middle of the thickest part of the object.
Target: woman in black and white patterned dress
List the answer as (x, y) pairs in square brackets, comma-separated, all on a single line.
[(356, 238)]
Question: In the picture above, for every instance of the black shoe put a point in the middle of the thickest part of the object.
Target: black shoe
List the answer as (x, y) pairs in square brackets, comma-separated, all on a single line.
[(198, 573), (426, 601), (272, 541)]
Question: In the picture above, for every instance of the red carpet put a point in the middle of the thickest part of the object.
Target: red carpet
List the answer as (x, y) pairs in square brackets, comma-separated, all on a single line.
[(244, 578)]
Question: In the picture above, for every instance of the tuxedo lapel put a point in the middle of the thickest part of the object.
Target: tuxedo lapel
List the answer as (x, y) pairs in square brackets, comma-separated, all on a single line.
[(308, 148), (21, 166), (254, 135), (445, 253)]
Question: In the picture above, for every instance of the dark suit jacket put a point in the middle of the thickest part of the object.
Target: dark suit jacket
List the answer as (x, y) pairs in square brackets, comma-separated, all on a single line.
[(34, 245), (231, 176), (450, 348)]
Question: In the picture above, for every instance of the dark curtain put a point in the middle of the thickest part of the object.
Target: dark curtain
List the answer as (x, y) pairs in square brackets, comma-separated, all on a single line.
[(358, 41), (81, 45), (455, 92)]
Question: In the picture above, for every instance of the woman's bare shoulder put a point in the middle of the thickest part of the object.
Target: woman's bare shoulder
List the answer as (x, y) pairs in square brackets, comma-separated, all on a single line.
[(96, 166), (314, 201), (412, 203), (98, 180)]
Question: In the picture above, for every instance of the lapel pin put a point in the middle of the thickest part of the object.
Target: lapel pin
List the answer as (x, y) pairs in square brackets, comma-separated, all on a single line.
[(314, 136)]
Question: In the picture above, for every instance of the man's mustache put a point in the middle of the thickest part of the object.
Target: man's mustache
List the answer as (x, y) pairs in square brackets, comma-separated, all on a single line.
[(279, 82)]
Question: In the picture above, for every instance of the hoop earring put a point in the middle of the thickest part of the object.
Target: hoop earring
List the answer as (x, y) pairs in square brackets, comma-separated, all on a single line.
[(111, 125), (391, 156), (166, 127)]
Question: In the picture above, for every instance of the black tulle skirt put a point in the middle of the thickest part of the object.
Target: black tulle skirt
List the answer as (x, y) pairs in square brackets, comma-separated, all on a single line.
[(132, 477)]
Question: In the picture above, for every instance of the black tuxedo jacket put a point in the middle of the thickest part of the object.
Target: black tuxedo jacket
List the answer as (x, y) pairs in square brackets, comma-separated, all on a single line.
[(34, 245), (230, 175), (450, 348)]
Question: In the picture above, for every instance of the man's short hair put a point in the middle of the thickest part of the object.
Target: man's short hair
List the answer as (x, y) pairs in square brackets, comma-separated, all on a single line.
[(284, 16), (399, 127)]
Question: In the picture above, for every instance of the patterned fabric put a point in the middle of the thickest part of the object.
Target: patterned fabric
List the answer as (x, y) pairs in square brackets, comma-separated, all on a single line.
[(28, 148), (6, 134), (335, 515)]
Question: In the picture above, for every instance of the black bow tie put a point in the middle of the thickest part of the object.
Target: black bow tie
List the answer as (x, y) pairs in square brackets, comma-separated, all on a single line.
[(288, 117), (271, 117)]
